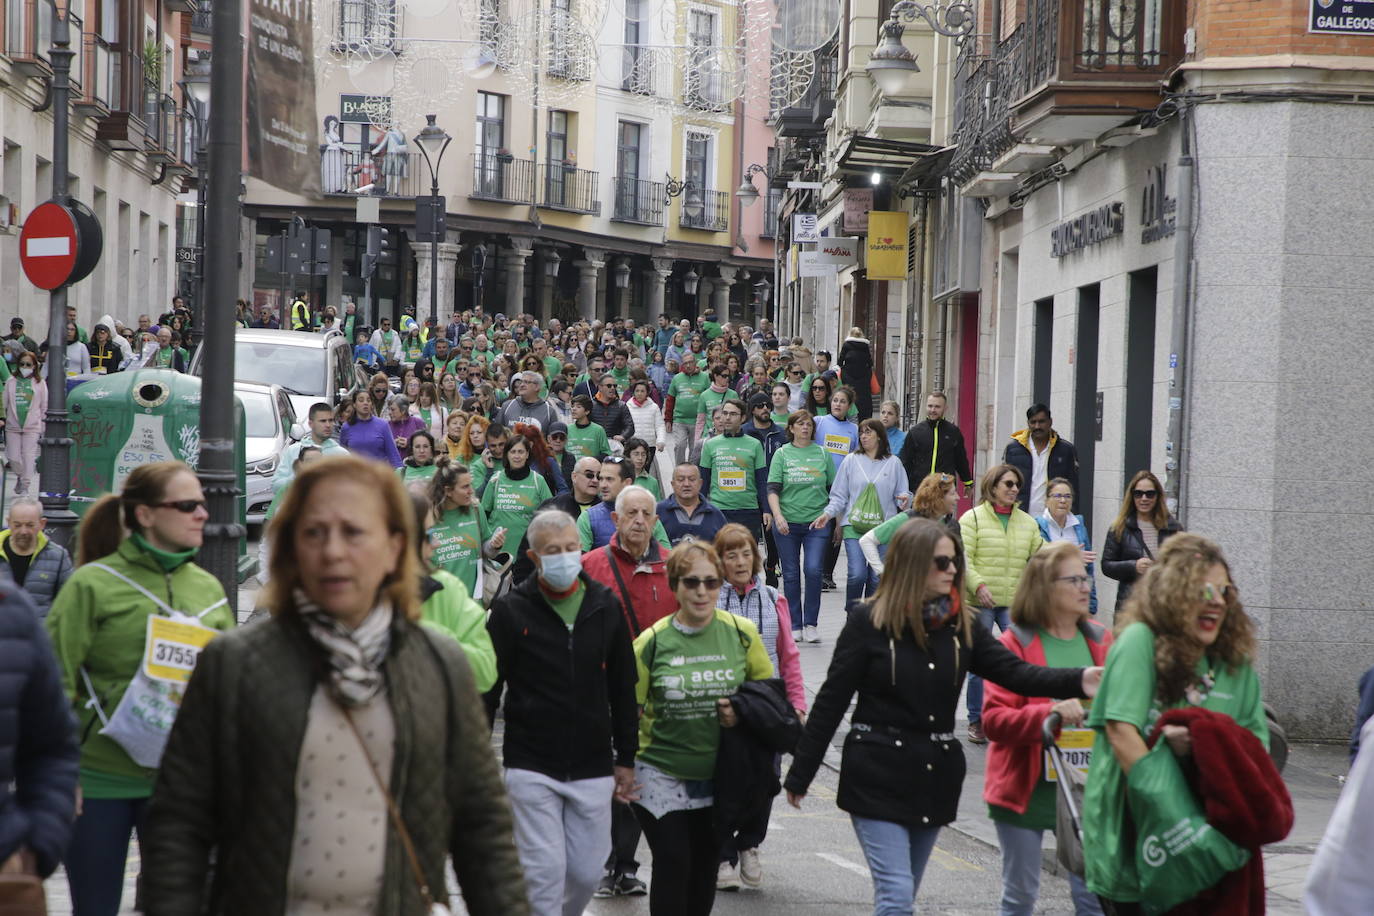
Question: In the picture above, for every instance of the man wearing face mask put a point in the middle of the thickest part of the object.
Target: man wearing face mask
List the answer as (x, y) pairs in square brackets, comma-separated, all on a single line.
[(563, 655)]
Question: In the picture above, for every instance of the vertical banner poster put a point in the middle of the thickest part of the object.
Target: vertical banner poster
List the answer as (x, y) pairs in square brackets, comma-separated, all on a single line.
[(887, 245), (283, 146)]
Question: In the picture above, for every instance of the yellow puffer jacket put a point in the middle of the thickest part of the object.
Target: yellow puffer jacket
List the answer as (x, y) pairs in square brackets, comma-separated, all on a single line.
[(995, 557)]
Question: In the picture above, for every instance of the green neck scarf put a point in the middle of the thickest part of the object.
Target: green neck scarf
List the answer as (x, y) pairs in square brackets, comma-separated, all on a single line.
[(168, 560)]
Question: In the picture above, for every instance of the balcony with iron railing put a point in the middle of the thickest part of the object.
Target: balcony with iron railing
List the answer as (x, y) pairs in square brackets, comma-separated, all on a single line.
[(162, 135), (772, 203), (710, 210), (807, 116), (28, 35), (123, 126), (566, 187), (98, 84), (359, 173), (502, 178), (637, 69), (200, 19), (638, 201)]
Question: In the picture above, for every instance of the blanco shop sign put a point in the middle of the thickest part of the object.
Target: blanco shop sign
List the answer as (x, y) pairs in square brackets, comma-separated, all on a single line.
[(810, 265), (842, 252)]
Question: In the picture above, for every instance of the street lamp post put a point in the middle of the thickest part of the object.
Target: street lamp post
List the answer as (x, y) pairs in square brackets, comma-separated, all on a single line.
[(433, 142), (54, 475), (891, 63), (195, 92), (218, 476)]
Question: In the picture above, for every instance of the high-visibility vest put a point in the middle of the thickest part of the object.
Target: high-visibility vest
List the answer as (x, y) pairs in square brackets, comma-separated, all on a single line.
[(300, 316)]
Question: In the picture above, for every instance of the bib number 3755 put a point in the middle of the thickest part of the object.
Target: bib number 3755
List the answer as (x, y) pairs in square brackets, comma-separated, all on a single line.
[(172, 648)]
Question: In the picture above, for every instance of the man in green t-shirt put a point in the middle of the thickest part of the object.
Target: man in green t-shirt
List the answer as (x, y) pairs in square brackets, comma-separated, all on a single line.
[(681, 407), (620, 368), (553, 366), (585, 438), (781, 396), (735, 466), (563, 656)]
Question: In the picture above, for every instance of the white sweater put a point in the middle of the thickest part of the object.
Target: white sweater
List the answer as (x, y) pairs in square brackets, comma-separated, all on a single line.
[(856, 472), (648, 421)]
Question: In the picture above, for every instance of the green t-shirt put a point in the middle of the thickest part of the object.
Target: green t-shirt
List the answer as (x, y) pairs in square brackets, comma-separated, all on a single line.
[(686, 393), (458, 537), (510, 503), (884, 533), (164, 358), (621, 376), (710, 400), (480, 472), (680, 677), (780, 419), (1040, 811), (588, 441), (732, 461), (806, 475), (553, 366), (1127, 694), (23, 398), (648, 483), (712, 329), (567, 607), (409, 474)]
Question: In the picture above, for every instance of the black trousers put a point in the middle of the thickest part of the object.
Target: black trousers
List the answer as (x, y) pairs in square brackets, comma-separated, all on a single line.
[(832, 556), (624, 840), (685, 861), (752, 828), (772, 560)]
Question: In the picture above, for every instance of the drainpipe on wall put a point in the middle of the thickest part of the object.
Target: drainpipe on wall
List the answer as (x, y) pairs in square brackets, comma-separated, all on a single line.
[(1175, 445)]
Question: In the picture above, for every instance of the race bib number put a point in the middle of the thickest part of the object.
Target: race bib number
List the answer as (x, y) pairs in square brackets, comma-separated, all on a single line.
[(837, 444), (1076, 748), (732, 481), (172, 648)]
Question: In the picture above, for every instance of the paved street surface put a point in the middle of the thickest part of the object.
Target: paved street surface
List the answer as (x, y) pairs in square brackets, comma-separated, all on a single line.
[(813, 864)]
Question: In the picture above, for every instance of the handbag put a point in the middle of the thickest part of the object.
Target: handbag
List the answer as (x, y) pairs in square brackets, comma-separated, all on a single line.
[(494, 575), (22, 895), (873, 386), (432, 907)]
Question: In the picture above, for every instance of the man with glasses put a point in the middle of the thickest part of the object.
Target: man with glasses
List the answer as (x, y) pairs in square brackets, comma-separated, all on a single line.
[(590, 383), (1041, 455), (738, 474), (563, 655), (935, 446), (596, 525), (388, 343), (583, 494), (610, 413), (528, 407)]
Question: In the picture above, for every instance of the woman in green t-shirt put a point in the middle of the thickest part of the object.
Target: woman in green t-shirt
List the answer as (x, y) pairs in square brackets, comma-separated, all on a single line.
[(515, 491), (799, 480), (460, 534), (1183, 639), (420, 465), (1052, 627), (688, 665)]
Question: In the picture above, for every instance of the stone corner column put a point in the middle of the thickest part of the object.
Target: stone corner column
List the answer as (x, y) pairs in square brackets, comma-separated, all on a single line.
[(658, 287), (513, 262), (720, 292), (588, 282)]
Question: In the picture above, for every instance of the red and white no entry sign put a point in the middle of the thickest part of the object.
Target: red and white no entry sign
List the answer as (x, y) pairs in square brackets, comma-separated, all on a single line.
[(48, 245)]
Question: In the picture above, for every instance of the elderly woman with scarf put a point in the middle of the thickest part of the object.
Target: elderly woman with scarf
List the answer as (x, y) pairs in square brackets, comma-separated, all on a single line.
[(275, 766)]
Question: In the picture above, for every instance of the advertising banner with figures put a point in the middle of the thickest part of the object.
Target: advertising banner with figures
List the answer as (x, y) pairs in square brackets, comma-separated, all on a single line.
[(282, 135)]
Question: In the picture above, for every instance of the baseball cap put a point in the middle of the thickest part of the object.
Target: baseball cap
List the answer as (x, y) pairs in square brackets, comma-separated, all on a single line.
[(557, 428), (16, 322)]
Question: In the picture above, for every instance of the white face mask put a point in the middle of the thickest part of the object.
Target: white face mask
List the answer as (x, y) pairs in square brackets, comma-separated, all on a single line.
[(560, 570), (26, 371)]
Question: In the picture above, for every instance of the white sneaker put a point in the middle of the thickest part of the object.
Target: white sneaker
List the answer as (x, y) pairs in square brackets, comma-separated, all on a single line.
[(727, 878), (811, 634), (796, 636), (750, 868)]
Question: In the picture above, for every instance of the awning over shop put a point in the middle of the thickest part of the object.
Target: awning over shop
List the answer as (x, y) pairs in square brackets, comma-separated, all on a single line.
[(891, 158), (924, 173)]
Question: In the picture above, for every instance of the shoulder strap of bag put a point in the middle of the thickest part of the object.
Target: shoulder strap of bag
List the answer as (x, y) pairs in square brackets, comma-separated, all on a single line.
[(624, 593), (154, 598), (401, 831), (93, 703)]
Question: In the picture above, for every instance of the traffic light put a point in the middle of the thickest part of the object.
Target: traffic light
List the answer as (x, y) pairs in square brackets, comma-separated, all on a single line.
[(378, 244)]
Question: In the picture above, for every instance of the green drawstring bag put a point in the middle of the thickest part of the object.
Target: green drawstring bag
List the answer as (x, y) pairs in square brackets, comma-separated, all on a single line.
[(867, 513), (1178, 855)]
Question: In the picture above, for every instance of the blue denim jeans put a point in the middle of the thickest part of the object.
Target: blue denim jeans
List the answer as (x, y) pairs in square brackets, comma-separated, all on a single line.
[(897, 857), (863, 579), (96, 858), (986, 616), (1021, 864), (801, 539)]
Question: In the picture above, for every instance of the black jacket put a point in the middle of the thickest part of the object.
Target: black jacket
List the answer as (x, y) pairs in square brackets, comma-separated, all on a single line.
[(935, 448), (772, 438), (1120, 553), (746, 776), (523, 567), (894, 767), (38, 750), (1063, 463), (856, 364), (569, 696), (614, 418)]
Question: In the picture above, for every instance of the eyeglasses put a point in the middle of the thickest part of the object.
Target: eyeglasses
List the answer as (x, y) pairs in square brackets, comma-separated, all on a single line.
[(1061, 496), (1144, 494), (944, 563), (1010, 485), (692, 583), (794, 372), (1212, 592), (590, 475), (181, 505), (817, 387), (612, 460), (1079, 582)]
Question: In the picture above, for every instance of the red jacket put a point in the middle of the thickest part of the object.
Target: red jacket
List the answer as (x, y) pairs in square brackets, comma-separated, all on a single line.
[(1012, 722), (650, 598)]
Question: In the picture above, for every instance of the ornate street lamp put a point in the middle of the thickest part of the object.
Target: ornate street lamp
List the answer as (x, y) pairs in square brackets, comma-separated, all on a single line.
[(746, 192), (433, 142), (892, 63)]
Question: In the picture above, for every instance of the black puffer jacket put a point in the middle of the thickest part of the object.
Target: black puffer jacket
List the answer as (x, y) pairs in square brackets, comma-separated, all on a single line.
[(896, 766), (856, 371), (1120, 553), (38, 750), (226, 787)]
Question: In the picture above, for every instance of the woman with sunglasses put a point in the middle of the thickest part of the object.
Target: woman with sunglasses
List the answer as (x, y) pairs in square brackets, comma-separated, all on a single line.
[(26, 403), (1183, 640), (134, 557), (905, 652), (679, 735), (1059, 523), (817, 397), (1052, 627), (999, 539), (1136, 536)]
